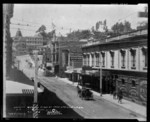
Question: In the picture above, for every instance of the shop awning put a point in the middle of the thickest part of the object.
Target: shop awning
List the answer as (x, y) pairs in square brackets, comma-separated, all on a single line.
[(13, 87), (69, 71)]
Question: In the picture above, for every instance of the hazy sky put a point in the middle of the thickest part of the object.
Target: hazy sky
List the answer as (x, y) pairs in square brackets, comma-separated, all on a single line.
[(74, 16)]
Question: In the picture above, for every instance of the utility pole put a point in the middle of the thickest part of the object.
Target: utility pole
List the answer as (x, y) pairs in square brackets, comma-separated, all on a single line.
[(35, 103), (100, 79)]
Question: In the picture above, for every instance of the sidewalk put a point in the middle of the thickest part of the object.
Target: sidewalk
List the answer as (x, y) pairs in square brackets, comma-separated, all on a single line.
[(136, 108)]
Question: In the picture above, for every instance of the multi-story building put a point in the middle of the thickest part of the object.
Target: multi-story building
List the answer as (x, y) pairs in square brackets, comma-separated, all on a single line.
[(67, 54), (123, 60), (34, 42), (23, 45), (7, 40), (19, 44)]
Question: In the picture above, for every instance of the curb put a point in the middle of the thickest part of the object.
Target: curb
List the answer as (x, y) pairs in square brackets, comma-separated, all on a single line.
[(124, 108), (112, 102)]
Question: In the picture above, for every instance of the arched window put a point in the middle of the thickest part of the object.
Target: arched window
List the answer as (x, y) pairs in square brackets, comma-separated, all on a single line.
[(112, 58), (144, 52), (133, 58), (97, 59), (123, 53), (103, 59)]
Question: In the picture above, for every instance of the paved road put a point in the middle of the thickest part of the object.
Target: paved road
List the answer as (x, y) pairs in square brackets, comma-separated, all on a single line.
[(97, 108)]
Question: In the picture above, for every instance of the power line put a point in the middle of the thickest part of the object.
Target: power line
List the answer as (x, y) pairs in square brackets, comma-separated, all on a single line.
[(22, 29), (62, 28), (22, 24)]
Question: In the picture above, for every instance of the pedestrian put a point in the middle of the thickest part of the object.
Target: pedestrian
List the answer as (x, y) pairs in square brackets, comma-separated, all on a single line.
[(120, 96), (114, 94)]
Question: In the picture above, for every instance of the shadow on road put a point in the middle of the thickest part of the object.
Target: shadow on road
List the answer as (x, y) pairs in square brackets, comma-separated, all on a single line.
[(20, 106), (18, 76), (51, 101)]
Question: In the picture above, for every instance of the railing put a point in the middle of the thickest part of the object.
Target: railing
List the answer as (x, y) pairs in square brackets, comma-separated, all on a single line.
[(123, 36)]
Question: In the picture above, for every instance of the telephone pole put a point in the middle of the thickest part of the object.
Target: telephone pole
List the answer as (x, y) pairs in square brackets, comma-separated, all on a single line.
[(35, 103), (100, 79)]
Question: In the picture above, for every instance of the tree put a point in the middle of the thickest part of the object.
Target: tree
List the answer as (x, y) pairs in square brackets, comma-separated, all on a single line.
[(97, 26), (127, 26), (120, 28), (41, 31)]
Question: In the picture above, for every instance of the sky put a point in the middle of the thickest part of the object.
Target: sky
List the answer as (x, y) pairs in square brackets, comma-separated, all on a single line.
[(71, 17)]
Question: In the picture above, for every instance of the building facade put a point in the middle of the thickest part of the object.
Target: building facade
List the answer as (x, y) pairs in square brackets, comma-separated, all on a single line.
[(7, 40), (33, 42), (66, 55), (23, 45), (123, 60), (19, 44)]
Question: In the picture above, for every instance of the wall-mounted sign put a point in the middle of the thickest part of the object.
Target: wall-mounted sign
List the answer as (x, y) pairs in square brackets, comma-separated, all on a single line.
[(143, 90)]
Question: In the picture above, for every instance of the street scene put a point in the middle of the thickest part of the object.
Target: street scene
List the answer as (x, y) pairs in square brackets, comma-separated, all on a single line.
[(73, 66)]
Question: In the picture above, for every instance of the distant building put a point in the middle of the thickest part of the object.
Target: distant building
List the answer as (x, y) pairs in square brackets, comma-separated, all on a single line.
[(33, 43), (123, 60), (67, 56), (19, 44), (23, 45)]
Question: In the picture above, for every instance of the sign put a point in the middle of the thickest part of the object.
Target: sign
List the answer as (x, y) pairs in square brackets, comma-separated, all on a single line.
[(143, 90), (143, 14)]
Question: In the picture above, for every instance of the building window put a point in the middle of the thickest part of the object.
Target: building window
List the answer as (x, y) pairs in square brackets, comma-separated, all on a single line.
[(123, 81), (133, 83), (85, 60), (112, 59), (123, 52), (144, 52), (97, 60), (92, 60), (133, 58), (103, 59)]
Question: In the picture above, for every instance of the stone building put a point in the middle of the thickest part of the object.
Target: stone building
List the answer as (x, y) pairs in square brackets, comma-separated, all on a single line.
[(123, 60)]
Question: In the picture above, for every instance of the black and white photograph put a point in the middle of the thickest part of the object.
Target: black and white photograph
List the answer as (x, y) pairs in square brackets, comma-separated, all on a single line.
[(75, 61)]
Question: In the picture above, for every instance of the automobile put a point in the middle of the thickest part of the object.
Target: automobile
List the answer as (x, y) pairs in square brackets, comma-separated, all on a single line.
[(84, 92), (48, 72)]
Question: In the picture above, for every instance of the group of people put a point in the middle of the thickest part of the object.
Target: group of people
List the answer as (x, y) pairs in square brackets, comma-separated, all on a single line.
[(119, 95)]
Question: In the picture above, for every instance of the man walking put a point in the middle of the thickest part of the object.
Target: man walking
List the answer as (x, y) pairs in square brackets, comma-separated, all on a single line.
[(120, 96)]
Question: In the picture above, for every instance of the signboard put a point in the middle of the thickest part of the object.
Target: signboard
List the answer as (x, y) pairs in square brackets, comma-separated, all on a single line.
[(143, 14)]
